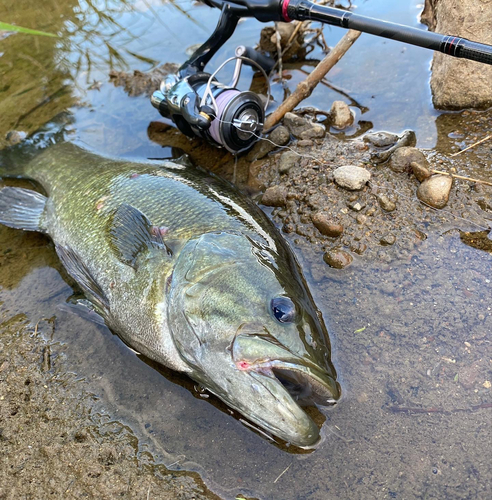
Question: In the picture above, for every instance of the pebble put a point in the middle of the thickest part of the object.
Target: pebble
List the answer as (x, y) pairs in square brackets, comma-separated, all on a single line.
[(356, 206), (386, 204), (274, 196), (435, 190), (280, 136), (305, 143), (420, 171), (287, 160), (351, 177), (361, 219), (337, 258), (388, 239), (381, 139), (402, 158), (341, 115), (325, 226)]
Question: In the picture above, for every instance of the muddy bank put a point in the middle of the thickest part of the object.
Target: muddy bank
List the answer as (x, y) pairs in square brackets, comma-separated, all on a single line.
[(53, 440)]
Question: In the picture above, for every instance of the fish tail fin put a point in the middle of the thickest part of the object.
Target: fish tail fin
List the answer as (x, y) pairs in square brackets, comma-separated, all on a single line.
[(22, 208)]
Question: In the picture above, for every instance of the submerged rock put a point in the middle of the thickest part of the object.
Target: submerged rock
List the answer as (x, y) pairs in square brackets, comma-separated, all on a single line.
[(324, 224), (337, 258), (351, 177), (341, 115), (386, 204), (435, 190)]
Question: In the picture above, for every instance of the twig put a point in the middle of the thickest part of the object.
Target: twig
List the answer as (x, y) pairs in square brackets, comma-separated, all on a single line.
[(471, 179), (279, 51), (305, 88), (473, 145), (282, 473), (290, 42)]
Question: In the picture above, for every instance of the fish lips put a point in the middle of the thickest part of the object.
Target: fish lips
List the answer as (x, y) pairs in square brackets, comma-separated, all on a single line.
[(305, 380), (286, 381)]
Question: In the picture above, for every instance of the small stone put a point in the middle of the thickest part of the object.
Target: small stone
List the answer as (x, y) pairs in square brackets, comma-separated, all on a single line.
[(386, 204), (287, 160), (341, 115), (408, 138), (388, 239), (316, 131), (402, 158), (435, 190), (361, 219), (356, 206), (337, 258), (420, 171), (275, 196), (351, 177), (280, 136), (305, 143), (325, 226), (381, 139)]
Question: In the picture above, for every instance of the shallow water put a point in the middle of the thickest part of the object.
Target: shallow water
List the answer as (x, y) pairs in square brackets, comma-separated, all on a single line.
[(411, 339)]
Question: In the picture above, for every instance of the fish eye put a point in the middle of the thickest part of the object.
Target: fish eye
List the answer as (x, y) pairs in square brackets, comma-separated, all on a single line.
[(283, 309)]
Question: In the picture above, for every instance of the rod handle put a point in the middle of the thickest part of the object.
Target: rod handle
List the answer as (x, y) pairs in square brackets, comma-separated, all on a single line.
[(474, 51)]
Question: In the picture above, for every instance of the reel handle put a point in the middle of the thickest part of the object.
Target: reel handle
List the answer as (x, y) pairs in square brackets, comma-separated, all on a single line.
[(267, 63)]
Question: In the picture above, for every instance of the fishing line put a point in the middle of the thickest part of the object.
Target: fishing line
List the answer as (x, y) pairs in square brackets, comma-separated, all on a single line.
[(371, 184)]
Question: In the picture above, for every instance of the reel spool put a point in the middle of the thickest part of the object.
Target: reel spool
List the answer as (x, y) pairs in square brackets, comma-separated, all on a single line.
[(200, 106)]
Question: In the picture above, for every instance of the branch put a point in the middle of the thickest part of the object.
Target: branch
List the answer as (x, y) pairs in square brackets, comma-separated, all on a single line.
[(305, 88)]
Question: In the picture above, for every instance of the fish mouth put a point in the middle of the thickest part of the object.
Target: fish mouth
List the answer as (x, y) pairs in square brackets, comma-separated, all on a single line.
[(306, 384), (290, 380)]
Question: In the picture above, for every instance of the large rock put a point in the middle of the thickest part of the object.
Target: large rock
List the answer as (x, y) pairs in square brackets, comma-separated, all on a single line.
[(302, 128), (458, 83), (402, 158)]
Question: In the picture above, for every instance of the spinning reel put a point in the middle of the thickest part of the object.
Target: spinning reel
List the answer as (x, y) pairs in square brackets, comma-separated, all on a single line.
[(226, 117)]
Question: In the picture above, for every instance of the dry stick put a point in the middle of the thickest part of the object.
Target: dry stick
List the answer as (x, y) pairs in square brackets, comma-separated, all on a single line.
[(305, 88), (471, 179), (473, 145), (279, 51)]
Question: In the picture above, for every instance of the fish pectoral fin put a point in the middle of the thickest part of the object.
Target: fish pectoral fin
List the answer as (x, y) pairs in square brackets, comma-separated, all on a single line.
[(81, 274), (131, 234), (22, 208)]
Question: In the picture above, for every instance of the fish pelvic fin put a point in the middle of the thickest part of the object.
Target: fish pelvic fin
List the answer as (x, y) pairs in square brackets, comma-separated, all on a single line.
[(22, 208), (82, 275), (132, 234)]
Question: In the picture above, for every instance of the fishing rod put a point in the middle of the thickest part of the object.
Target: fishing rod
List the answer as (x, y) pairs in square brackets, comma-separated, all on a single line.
[(201, 106)]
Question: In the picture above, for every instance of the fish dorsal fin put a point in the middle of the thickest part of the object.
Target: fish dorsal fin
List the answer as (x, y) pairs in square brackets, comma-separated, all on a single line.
[(131, 234), (81, 274), (22, 208)]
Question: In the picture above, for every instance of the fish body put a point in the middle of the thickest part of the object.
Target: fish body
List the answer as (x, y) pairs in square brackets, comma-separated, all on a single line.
[(188, 272)]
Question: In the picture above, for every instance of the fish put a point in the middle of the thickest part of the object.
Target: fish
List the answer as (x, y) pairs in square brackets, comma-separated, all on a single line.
[(188, 272)]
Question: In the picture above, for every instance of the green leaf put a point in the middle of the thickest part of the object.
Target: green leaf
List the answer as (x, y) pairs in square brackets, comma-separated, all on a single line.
[(20, 29), (360, 330), (456, 377)]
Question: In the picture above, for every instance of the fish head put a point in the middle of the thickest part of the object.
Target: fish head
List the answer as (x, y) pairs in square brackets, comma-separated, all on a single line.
[(245, 324)]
